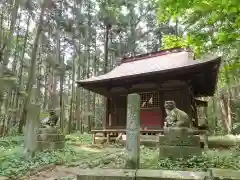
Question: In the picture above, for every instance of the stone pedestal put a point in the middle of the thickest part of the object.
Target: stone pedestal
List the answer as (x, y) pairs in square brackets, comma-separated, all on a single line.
[(50, 138), (179, 143)]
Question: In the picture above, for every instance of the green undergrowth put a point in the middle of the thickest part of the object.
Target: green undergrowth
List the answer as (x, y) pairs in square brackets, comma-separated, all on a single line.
[(11, 141), (79, 150), (77, 138), (226, 159), (13, 162)]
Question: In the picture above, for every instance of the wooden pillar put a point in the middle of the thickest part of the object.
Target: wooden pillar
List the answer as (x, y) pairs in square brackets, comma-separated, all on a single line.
[(106, 117), (195, 116), (161, 97), (133, 131)]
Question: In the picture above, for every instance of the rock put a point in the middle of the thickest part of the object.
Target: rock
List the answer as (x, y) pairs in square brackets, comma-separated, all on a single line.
[(178, 131), (140, 174), (147, 174), (48, 130), (224, 174), (179, 143), (185, 140), (50, 138), (106, 174)]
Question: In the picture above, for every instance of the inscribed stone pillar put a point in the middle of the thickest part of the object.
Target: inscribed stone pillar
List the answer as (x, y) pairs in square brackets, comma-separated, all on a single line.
[(133, 131)]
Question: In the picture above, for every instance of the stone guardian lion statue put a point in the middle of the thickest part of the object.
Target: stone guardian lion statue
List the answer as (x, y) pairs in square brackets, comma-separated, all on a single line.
[(175, 117)]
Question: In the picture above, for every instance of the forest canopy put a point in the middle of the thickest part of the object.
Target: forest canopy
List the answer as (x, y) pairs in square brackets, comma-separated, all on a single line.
[(208, 26), (47, 45)]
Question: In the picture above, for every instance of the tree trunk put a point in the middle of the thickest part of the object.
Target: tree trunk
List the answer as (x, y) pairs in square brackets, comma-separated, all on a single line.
[(78, 99), (106, 50), (46, 90), (6, 47), (71, 117), (95, 74), (31, 129), (106, 68), (31, 73), (226, 112)]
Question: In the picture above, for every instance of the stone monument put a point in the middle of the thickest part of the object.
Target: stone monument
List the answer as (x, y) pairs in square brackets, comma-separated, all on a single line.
[(133, 132), (49, 136), (178, 140)]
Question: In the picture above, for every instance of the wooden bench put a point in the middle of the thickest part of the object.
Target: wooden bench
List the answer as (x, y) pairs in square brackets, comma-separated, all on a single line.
[(202, 133), (106, 133), (120, 132)]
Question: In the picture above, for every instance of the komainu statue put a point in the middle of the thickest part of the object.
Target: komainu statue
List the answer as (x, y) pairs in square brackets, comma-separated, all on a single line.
[(53, 118), (175, 117), (49, 135)]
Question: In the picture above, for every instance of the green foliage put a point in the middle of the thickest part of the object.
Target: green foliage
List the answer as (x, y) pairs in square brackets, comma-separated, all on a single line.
[(148, 158), (109, 11), (217, 20), (66, 178), (13, 132), (212, 159), (11, 141), (78, 138), (172, 41), (211, 26), (14, 163), (228, 159), (202, 163)]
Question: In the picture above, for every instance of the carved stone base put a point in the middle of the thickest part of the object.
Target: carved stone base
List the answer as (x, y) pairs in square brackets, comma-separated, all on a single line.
[(171, 140), (50, 138), (179, 143)]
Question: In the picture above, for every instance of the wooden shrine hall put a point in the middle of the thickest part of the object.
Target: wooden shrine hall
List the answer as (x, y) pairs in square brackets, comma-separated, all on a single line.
[(170, 74)]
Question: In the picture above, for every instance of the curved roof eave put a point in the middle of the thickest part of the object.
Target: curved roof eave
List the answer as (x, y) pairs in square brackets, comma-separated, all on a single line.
[(175, 63)]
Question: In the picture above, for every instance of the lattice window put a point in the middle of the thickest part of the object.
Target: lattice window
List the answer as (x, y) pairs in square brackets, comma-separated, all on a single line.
[(150, 100)]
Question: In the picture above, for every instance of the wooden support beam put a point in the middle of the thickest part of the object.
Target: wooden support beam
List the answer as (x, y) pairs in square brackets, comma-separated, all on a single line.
[(119, 137), (106, 117), (108, 138), (93, 138)]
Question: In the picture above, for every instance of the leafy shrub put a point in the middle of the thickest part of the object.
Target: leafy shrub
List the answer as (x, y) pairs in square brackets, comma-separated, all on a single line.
[(11, 141), (212, 159), (14, 163), (13, 131), (229, 159), (79, 138)]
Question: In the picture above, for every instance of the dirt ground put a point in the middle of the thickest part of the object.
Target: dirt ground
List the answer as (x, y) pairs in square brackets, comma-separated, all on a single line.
[(60, 172), (55, 173)]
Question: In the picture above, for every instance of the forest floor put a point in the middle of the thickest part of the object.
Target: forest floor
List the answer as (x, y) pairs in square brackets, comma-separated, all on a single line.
[(70, 170), (80, 154)]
